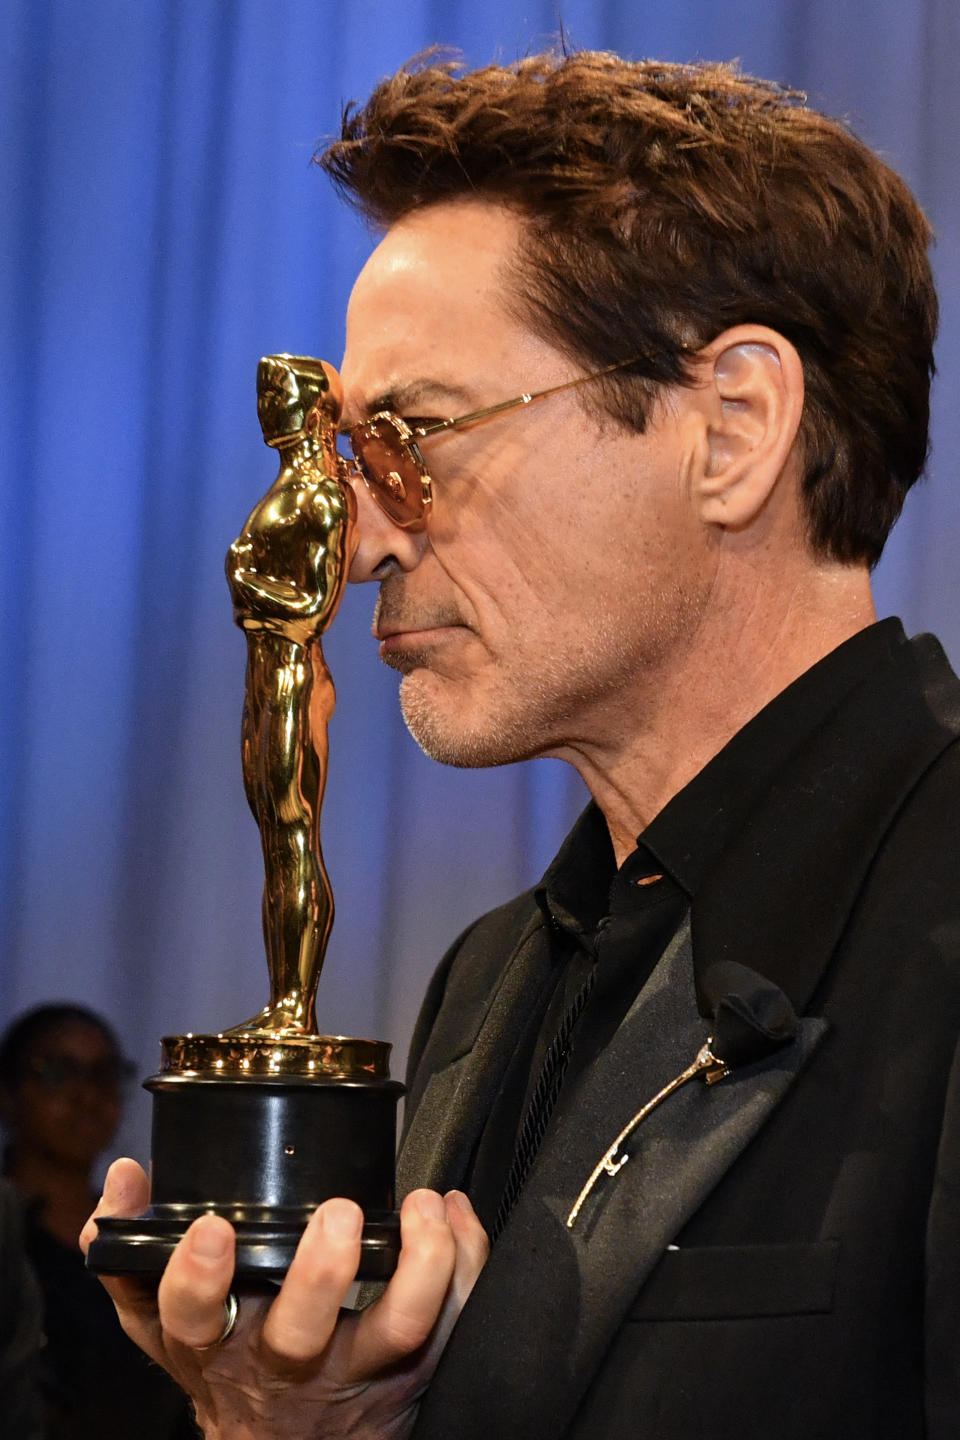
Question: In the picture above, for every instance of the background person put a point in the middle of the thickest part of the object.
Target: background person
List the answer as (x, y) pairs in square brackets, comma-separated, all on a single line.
[(62, 1075)]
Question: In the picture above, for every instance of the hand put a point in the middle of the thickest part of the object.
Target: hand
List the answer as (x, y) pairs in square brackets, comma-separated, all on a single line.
[(296, 1366)]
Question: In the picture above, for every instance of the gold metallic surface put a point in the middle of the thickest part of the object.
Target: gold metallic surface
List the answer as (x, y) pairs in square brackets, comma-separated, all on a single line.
[(707, 1065), (248, 1053), (286, 573)]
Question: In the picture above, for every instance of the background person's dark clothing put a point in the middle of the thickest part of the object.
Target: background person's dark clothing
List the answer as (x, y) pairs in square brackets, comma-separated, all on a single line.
[(20, 1328), (97, 1385)]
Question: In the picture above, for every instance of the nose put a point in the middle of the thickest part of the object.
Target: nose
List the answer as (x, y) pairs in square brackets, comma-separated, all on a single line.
[(382, 546)]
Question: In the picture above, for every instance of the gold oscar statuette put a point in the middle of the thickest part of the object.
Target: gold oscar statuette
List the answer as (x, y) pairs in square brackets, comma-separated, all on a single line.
[(264, 1120)]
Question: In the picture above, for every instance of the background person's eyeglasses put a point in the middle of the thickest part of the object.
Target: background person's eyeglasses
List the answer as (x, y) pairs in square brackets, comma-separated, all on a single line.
[(387, 456), (64, 1072)]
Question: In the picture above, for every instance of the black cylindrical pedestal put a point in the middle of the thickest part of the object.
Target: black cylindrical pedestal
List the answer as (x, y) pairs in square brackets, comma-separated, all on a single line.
[(263, 1152)]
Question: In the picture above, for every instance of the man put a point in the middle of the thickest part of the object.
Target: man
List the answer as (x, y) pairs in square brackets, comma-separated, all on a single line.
[(685, 326)]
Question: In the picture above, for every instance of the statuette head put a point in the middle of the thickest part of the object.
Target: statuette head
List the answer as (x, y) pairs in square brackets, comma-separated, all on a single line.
[(295, 394)]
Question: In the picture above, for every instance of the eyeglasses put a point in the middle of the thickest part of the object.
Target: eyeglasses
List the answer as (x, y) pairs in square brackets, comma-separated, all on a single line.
[(387, 456), (63, 1072)]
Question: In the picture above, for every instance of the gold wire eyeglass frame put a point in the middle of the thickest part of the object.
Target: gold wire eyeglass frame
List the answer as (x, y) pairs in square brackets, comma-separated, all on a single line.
[(391, 483)]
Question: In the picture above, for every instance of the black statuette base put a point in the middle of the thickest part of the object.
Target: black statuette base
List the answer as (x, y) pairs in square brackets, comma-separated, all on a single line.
[(264, 1153), (265, 1248)]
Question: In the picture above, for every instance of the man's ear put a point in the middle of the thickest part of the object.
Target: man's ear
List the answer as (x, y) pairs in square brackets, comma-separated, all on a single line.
[(753, 401)]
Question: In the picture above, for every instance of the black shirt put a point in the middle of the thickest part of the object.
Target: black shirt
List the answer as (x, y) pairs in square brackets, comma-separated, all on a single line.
[(609, 927)]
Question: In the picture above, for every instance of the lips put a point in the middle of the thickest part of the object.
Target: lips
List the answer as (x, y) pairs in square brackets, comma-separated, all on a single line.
[(395, 623), (389, 624), (409, 645), (416, 637), (412, 628)]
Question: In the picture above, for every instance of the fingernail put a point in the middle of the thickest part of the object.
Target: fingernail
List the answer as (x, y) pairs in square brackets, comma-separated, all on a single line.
[(342, 1219), (457, 1197), (112, 1184), (430, 1205), (209, 1241)]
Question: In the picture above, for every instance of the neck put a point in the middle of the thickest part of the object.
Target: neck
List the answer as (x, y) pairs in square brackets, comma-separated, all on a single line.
[(690, 702), (64, 1190)]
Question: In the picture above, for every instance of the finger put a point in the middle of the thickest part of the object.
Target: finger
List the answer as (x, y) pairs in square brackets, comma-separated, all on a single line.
[(126, 1192), (196, 1281), (302, 1317), (473, 1250), (404, 1316)]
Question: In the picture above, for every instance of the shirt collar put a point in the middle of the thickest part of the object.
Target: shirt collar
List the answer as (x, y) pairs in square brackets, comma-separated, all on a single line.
[(694, 828)]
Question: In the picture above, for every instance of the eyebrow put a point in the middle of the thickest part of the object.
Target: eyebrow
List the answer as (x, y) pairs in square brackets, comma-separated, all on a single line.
[(414, 395)]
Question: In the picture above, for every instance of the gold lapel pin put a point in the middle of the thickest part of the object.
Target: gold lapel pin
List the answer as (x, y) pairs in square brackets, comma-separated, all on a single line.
[(707, 1064)]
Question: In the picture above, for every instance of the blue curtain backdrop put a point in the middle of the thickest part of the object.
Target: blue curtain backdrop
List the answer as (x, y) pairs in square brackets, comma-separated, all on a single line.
[(162, 228)]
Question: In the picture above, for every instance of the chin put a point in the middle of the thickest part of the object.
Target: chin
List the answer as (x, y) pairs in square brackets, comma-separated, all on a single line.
[(457, 735)]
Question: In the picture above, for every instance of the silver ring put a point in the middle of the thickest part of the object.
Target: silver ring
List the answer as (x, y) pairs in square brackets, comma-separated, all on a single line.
[(231, 1309)]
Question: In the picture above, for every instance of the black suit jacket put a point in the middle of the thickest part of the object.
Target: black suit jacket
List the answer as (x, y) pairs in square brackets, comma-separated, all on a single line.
[(781, 1255)]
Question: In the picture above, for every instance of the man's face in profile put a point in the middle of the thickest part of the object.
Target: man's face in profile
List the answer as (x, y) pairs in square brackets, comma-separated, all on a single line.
[(561, 559)]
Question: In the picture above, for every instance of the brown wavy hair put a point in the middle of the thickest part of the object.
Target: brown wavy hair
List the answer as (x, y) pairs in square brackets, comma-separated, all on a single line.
[(664, 204)]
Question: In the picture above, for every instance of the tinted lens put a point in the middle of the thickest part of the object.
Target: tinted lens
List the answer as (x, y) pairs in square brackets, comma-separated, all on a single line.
[(59, 1072), (392, 475)]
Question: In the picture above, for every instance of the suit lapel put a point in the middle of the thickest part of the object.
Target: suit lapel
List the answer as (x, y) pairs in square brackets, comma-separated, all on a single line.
[(457, 1099), (677, 1156)]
